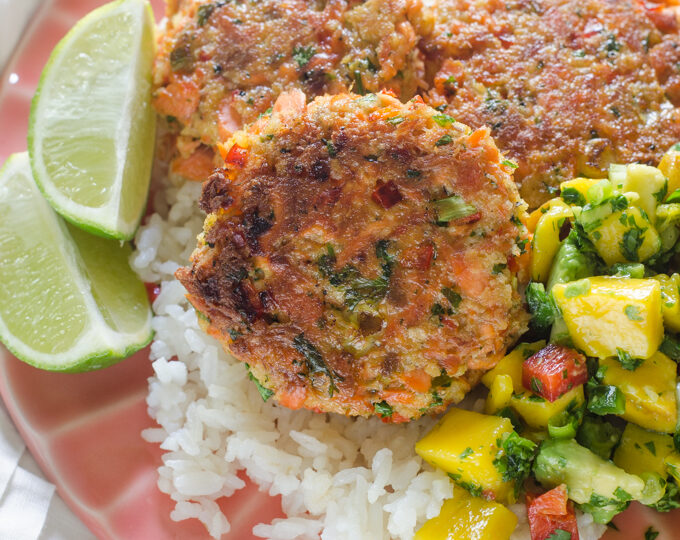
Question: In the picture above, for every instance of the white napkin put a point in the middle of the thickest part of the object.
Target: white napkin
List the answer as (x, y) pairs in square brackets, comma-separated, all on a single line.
[(29, 507)]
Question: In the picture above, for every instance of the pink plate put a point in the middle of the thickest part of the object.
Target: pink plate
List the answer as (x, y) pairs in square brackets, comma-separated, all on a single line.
[(84, 429)]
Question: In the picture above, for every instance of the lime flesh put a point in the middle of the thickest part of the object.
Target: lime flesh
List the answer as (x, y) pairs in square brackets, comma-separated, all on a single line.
[(91, 131), (68, 300)]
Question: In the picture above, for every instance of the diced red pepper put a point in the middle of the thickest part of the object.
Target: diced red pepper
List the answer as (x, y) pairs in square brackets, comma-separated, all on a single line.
[(237, 156), (152, 291), (551, 512), (386, 194), (553, 371), (466, 220)]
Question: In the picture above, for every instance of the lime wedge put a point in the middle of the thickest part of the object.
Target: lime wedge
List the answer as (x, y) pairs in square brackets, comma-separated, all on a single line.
[(68, 300), (91, 132)]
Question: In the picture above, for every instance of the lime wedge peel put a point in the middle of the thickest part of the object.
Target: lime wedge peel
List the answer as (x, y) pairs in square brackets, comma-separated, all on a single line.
[(68, 300), (92, 127)]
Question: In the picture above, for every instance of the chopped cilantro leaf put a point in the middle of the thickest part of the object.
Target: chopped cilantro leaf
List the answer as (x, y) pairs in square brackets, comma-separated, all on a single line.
[(384, 409), (627, 361), (514, 458)]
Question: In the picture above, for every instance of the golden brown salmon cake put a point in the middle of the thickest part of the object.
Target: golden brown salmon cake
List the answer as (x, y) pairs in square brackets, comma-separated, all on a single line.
[(566, 86), (221, 64), (361, 255)]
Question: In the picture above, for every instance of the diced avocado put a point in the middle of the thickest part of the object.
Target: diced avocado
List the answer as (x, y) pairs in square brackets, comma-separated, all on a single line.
[(537, 411), (670, 300), (570, 264), (464, 515), (642, 451), (667, 221), (546, 240), (466, 444), (598, 435), (651, 400), (627, 270), (604, 314), (670, 168), (598, 486), (499, 394), (649, 183), (511, 364)]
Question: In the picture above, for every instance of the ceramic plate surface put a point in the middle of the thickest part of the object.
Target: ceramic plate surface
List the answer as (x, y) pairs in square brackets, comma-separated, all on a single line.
[(84, 429)]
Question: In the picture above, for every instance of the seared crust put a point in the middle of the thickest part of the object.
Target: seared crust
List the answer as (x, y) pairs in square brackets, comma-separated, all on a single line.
[(566, 86), (221, 64), (325, 264)]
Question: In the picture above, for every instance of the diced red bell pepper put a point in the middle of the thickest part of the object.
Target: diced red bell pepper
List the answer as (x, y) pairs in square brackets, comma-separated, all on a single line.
[(554, 370), (551, 512), (237, 156), (386, 194)]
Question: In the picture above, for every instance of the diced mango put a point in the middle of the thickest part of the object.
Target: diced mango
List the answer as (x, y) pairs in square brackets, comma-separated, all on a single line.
[(511, 364), (670, 300), (650, 391), (643, 451), (670, 168), (672, 462), (465, 444), (604, 314), (536, 215), (499, 394), (649, 183), (546, 240), (625, 236), (536, 411), (470, 518), (581, 185)]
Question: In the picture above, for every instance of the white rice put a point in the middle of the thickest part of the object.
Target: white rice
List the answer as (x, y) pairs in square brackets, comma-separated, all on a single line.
[(339, 478)]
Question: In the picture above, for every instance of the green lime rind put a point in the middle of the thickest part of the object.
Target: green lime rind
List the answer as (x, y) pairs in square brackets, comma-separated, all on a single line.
[(68, 300), (92, 128)]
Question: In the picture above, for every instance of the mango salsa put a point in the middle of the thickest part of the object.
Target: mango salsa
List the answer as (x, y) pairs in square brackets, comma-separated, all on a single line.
[(536, 411), (546, 239), (500, 394), (604, 314), (511, 364), (576, 191), (536, 215), (650, 391), (649, 183), (641, 451), (670, 300), (625, 236), (465, 445), (470, 518), (670, 168)]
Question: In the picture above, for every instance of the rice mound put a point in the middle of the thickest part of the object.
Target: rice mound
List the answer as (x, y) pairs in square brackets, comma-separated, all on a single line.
[(339, 478)]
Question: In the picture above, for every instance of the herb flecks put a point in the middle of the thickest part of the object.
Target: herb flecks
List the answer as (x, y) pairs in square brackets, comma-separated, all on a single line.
[(315, 362)]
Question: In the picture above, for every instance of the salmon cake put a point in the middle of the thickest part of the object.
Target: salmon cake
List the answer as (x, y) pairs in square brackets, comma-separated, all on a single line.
[(361, 256), (220, 64), (567, 87)]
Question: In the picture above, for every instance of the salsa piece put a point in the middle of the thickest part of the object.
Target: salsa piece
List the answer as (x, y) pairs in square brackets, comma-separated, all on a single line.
[(553, 371), (550, 513)]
